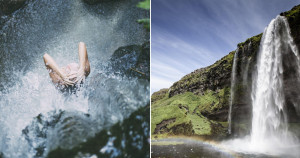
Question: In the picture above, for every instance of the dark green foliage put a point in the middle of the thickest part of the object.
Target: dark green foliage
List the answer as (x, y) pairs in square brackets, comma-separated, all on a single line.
[(144, 4), (133, 133), (255, 41), (146, 21)]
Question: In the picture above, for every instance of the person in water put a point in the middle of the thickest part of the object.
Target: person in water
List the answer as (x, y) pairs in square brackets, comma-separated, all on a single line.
[(73, 73)]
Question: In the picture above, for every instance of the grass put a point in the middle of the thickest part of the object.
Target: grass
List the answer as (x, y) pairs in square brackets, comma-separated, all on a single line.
[(167, 108), (159, 95), (254, 40), (202, 76), (292, 13)]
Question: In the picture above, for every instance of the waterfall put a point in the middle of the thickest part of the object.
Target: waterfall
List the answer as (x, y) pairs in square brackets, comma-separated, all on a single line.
[(232, 90), (245, 75), (269, 121), (269, 133)]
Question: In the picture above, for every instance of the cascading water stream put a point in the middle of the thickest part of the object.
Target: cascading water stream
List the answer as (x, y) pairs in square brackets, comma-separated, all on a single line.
[(56, 27), (269, 133), (232, 91), (269, 122)]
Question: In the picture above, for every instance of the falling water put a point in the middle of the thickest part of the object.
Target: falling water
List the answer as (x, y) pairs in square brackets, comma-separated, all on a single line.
[(269, 122), (232, 90), (270, 134), (245, 75), (56, 27)]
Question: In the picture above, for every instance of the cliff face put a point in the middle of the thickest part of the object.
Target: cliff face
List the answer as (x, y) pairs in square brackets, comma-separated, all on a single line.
[(205, 93)]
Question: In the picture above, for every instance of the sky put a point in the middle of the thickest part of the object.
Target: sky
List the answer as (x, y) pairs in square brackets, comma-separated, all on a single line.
[(190, 34)]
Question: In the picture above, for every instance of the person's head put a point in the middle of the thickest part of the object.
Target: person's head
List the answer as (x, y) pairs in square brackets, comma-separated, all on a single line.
[(71, 68)]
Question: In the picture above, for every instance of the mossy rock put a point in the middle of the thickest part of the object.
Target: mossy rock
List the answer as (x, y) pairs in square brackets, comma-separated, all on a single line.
[(182, 114), (159, 95)]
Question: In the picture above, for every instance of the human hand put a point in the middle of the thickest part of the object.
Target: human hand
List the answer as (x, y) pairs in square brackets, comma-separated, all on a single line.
[(77, 77), (67, 81)]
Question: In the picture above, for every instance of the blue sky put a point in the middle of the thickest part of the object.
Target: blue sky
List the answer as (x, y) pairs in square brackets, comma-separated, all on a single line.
[(191, 34)]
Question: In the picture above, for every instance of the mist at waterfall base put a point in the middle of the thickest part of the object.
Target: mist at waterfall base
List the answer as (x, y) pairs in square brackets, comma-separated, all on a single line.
[(28, 98), (270, 134)]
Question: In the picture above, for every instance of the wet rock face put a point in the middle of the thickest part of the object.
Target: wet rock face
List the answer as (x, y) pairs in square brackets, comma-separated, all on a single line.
[(242, 107), (92, 2), (132, 61), (129, 138), (59, 129), (9, 6)]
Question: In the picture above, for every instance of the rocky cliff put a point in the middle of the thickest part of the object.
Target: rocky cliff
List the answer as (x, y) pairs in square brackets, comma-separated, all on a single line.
[(198, 104)]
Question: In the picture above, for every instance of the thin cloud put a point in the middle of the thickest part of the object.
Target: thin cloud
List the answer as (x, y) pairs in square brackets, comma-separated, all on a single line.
[(187, 35)]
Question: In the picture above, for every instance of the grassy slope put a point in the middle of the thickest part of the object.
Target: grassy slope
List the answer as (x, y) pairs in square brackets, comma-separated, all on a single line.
[(209, 100), (167, 108)]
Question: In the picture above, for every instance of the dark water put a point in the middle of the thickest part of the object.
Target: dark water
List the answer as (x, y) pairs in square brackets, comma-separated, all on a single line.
[(182, 147), (36, 118)]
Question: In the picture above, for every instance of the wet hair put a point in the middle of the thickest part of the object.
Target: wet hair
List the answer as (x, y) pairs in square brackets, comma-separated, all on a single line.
[(70, 89)]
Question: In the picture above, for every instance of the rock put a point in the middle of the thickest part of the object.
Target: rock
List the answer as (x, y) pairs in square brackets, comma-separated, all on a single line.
[(92, 2), (132, 61), (57, 129), (9, 6), (131, 138)]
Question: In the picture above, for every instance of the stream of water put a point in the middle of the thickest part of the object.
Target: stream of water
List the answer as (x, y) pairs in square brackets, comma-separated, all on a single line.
[(56, 27), (232, 90), (270, 134)]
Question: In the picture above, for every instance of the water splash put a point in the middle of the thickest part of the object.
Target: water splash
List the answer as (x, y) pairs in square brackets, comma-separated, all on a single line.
[(56, 27), (232, 90)]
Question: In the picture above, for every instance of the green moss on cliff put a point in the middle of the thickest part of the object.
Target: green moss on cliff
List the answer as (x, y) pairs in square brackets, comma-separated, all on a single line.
[(186, 109), (213, 77), (294, 12), (159, 95), (167, 108), (254, 40)]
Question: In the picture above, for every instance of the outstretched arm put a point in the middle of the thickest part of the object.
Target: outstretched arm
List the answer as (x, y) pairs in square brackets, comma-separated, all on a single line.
[(56, 74), (84, 64), (83, 59)]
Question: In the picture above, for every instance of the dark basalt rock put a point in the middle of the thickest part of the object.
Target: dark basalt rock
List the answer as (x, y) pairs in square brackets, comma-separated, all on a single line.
[(130, 138), (62, 129), (9, 6), (92, 2), (132, 61), (162, 127)]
